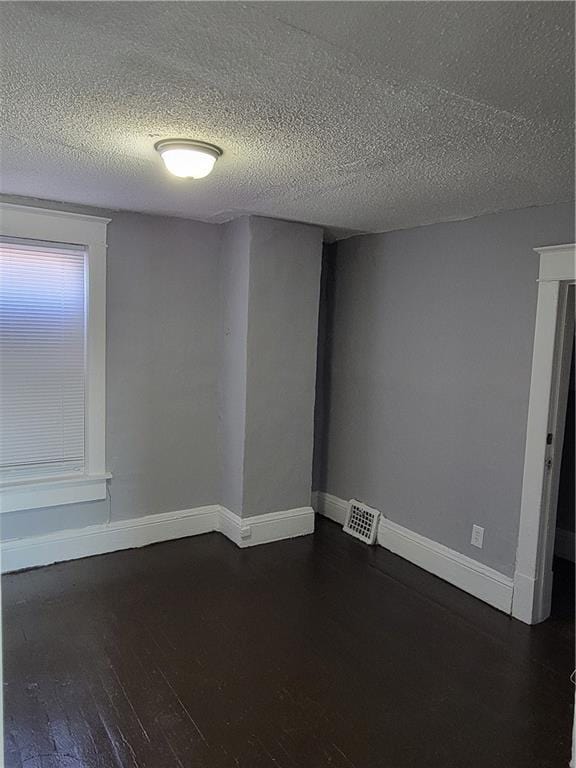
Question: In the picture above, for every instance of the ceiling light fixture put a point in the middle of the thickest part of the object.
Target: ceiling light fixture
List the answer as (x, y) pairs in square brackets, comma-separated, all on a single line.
[(187, 158)]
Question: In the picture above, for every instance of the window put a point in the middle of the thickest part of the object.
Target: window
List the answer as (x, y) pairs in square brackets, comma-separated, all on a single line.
[(42, 381), (52, 358)]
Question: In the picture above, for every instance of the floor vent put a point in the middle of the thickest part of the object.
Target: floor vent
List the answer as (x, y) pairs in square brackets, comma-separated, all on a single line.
[(361, 521)]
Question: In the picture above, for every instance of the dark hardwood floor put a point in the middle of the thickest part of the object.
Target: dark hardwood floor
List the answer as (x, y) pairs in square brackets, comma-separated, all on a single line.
[(313, 653)]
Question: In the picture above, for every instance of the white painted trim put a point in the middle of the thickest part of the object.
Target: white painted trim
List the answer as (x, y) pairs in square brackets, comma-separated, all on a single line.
[(57, 215), (108, 537), (533, 573), (565, 544), (51, 492), (231, 526), (17, 554), (557, 262), (332, 507), (95, 461), (263, 529), (473, 577), (89, 232)]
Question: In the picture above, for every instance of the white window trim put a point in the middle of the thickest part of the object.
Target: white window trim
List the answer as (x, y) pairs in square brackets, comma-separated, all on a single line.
[(90, 233)]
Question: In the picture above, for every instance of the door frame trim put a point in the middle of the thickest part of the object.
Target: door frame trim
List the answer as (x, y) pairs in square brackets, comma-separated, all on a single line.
[(553, 334)]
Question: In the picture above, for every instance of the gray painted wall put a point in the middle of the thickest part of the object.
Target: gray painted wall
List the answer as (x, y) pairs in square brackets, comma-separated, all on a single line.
[(163, 362), (323, 359), (429, 338), (285, 266), (234, 284), (180, 361)]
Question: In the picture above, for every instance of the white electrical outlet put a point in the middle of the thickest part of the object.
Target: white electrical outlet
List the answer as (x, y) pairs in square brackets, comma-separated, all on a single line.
[(477, 536)]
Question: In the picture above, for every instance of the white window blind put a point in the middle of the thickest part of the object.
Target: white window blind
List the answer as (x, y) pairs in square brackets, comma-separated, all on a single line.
[(42, 358)]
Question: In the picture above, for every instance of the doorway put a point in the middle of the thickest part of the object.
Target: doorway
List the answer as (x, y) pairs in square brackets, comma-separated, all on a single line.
[(551, 360), (564, 549)]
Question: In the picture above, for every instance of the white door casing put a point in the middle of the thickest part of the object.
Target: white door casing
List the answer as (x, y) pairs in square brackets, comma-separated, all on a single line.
[(544, 435)]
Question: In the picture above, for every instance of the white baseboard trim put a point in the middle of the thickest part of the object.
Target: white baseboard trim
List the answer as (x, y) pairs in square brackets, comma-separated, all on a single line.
[(108, 537), (263, 529), (18, 554), (525, 604), (565, 544), (330, 506), (473, 577)]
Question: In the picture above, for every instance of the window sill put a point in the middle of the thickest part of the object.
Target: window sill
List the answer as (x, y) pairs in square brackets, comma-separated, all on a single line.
[(34, 493)]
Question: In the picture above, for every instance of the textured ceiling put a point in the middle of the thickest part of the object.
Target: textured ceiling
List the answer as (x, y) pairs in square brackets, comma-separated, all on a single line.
[(355, 116)]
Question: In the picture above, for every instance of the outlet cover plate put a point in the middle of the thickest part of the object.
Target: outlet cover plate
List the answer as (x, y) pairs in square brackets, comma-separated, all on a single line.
[(477, 539)]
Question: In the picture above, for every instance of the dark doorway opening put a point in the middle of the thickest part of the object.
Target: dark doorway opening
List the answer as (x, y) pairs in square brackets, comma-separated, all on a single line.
[(563, 590)]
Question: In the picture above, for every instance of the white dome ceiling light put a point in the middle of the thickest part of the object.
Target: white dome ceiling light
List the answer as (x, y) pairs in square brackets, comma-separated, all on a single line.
[(187, 158)]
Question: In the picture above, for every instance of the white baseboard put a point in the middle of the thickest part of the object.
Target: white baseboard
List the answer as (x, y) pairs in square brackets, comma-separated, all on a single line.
[(473, 577), (565, 544), (330, 506), (531, 604), (263, 529), (108, 537), (17, 554), (528, 601)]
